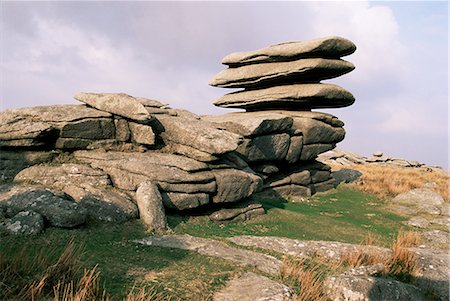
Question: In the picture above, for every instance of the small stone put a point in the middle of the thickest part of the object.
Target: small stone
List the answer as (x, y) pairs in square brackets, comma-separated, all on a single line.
[(378, 154)]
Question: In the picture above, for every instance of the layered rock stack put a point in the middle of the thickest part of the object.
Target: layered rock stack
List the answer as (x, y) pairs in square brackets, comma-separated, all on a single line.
[(281, 85), (115, 156)]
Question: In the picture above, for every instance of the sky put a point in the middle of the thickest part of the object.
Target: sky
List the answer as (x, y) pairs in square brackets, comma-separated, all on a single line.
[(168, 51)]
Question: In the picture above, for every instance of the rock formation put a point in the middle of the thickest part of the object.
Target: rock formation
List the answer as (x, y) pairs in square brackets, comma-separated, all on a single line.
[(93, 157), (282, 136)]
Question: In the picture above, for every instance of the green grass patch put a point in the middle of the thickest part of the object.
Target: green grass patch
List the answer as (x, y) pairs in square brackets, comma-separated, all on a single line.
[(340, 215), (123, 263)]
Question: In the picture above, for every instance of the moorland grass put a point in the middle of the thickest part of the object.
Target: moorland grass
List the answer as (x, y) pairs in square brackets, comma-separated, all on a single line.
[(388, 181), (340, 215)]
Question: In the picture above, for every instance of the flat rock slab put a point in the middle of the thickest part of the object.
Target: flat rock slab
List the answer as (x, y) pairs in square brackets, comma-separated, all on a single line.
[(252, 123), (270, 74), (253, 287), (328, 249), (73, 179), (433, 267), (198, 134), (329, 47), (209, 247), (116, 103), (364, 288), (294, 97)]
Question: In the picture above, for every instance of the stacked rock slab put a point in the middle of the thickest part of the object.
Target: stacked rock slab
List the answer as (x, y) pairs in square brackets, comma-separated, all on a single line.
[(281, 85)]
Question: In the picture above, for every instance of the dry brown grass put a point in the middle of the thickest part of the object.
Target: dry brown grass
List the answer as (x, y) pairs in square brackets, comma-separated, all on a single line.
[(307, 276), (388, 181), (400, 264)]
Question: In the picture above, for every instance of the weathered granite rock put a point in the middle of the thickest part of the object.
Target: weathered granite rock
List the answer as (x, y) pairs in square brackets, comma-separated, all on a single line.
[(107, 205), (265, 148), (290, 191), (72, 143), (147, 166), (24, 223), (141, 133), (183, 201), (122, 129), (89, 128), (151, 209), (311, 151), (292, 97), (250, 124), (116, 103), (295, 149), (59, 211), (433, 267), (330, 250), (12, 162), (73, 179), (190, 152), (346, 175), (270, 74), (328, 47), (152, 103), (298, 177), (40, 126), (362, 288), (234, 185), (436, 237), (209, 247), (198, 134), (251, 287), (421, 200), (266, 168), (317, 127), (418, 222), (322, 186), (237, 214)]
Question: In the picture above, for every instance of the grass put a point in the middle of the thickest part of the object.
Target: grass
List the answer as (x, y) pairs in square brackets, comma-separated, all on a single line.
[(119, 269), (343, 215), (388, 181), (122, 264)]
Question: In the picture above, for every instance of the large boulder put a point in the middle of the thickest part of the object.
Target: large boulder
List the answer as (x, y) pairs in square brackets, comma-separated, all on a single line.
[(234, 185), (328, 47), (265, 148), (295, 97), (422, 200), (58, 210), (346, 175), (117, 103), (239, 214), (270, 74), (197, 134), (151, 209), (108, 205), (183, 201)]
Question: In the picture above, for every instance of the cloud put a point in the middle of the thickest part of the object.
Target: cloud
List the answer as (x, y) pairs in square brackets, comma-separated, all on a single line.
[(169, 51)]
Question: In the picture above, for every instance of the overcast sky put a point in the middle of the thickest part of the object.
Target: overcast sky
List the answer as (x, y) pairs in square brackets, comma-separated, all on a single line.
[(169, 50)]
